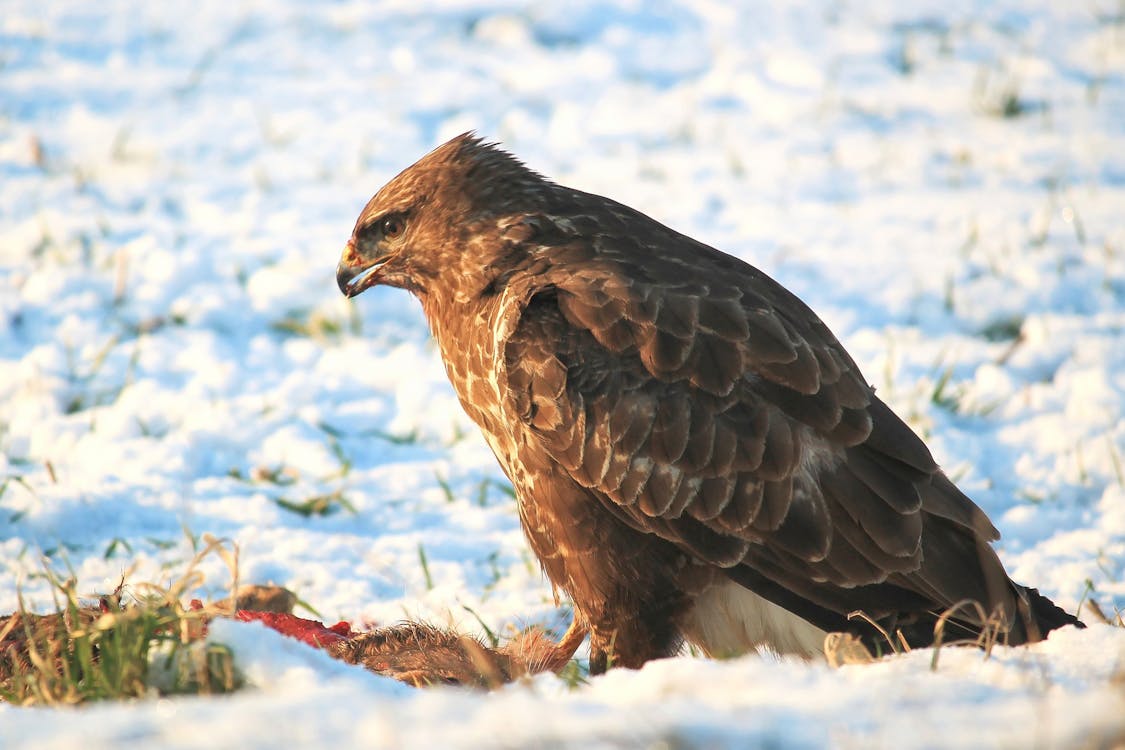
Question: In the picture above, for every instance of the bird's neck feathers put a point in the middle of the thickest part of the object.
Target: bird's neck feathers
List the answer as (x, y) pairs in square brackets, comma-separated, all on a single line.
[(473, 271)]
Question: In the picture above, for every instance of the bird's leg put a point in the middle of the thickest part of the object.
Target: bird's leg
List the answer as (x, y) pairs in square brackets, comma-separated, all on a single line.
[(599, 660), (601, 652), (569, 643), (534, 652)]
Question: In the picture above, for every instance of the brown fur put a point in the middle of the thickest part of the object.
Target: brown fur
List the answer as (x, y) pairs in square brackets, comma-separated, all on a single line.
[(420, 654), (411, 652)]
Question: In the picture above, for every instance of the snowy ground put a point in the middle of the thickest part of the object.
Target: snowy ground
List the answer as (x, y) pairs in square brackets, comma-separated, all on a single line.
[(944, 184)]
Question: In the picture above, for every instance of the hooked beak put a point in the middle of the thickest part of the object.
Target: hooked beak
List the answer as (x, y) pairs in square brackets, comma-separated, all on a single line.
[(355, 273)]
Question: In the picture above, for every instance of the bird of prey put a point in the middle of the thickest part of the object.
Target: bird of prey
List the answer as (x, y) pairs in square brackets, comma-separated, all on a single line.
[(695, 455)]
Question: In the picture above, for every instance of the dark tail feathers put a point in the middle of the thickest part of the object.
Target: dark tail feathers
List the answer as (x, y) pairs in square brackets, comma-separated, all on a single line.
[(1039, 616)]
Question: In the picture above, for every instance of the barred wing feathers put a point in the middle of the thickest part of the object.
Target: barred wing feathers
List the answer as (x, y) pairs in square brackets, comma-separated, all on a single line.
[(702, 402)]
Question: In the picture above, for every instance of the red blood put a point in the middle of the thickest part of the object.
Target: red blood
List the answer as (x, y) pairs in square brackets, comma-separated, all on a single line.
[(312, 632), (343, 628)]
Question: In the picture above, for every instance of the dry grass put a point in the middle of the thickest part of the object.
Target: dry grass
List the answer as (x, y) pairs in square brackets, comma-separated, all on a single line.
[(1118, 619), (991, 632), (150, 645), (844, 648)]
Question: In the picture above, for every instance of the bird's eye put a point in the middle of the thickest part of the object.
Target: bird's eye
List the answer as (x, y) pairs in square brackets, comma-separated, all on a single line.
[(392, 227)]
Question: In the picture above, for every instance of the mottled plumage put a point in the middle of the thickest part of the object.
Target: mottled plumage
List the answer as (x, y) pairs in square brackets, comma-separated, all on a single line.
[(694, 454)]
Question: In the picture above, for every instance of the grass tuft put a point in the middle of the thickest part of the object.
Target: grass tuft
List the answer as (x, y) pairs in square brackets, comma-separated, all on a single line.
[(1115, 458), (313, 324), (489, 633), (997, 93), (425, 567), (318, 505), (574, 675), (147, 647)]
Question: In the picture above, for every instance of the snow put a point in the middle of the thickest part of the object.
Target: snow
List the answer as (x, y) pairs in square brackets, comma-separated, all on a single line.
[(943, 182)]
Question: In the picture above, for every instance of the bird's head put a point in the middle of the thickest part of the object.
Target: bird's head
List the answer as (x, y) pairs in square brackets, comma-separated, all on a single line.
[(438, 217)]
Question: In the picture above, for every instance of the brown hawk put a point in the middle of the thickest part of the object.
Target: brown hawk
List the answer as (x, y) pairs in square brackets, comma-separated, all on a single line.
[(695, 456)]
